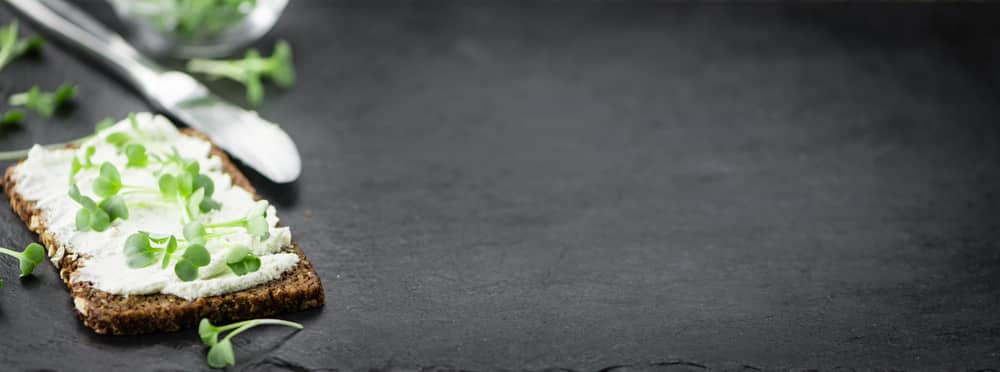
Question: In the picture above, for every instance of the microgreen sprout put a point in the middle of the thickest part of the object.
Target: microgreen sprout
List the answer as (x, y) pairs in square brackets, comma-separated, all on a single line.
[(32, 255), (19, 154), (11, 47), (255, 222), (11, 117), (45, 104), (191, 187), (241, 261), (220, 352), (169, 250), (92, 216), (142, 250), (130, 145), (136, 155), (109, 182), (78, 164), (139, 252), (194, 257), (250, 69)]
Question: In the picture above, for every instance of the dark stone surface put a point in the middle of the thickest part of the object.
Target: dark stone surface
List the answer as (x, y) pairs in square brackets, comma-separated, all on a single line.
[(602, 186)]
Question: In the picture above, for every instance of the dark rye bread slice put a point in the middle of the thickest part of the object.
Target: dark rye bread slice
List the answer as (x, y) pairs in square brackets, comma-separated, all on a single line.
[(106, 313)]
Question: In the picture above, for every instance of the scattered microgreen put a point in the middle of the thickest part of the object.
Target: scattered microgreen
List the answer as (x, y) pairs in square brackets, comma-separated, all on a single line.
[(139, 252), (136, 155), (28, 259), (241, 261), (115, 207), (90, 217), (195, 232), (11, 117), (77, 164), (191, 187), (192, 20), (249, 70), (109, 182), (255, 222), (20, 154), (11, 47), (194, 257), (118, 139), (43, 103), (142, 250), (220, 352), (169, 250)]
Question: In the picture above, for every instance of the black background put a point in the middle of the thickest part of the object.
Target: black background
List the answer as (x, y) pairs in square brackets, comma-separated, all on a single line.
[(509, 185)]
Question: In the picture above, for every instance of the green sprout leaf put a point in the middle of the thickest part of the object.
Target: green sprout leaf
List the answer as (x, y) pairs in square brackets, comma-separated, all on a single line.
[(197, 255), (168, 186), (169, 251), (90, 216), (88, 154), (255, 222), (109, 182), (220, 352), (241, 261), (115, 208), (75, 167), (74, 193), (194, 256), (195, 232), (208, 332), (208, 205), (281, 66), (11, 47), (138, 252), (192, 168), (221, 355), (28, 259), (257, 227), (194, 203), (185, 270), (185, 185), (11, 117), (136, 155), (249, 70), (203, 182), (63, 94), (43, 103), (118, 139)]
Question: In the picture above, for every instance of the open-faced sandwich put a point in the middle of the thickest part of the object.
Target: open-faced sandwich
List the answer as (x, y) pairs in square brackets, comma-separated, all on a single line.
[(153, 228)]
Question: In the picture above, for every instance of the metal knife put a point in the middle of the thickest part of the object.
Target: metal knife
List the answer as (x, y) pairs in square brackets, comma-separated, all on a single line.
[(257, 142)]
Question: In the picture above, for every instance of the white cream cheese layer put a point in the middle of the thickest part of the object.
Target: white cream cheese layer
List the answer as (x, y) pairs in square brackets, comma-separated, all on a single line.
[(43, 178)]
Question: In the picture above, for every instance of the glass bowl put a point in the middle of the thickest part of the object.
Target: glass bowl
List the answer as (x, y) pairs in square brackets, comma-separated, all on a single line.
[(197, 28)]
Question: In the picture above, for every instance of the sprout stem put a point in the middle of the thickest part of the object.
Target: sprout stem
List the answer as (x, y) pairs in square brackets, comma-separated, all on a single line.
[(18, 154), (10, 252)]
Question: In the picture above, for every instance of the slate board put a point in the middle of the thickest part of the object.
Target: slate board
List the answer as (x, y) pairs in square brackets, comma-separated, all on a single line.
[(522, 186)]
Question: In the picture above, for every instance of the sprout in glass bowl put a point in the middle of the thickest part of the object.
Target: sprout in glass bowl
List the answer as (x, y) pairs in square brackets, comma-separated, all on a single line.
[(198, 28)]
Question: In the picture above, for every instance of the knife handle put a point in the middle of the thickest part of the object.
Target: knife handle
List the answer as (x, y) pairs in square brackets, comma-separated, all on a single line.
[(76, 27)]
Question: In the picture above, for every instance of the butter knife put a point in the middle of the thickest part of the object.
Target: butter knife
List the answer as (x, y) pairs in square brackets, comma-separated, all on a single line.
[(257, 142)]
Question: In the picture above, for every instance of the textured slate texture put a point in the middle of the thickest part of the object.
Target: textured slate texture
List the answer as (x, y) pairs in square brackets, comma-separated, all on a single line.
[(627, 186)]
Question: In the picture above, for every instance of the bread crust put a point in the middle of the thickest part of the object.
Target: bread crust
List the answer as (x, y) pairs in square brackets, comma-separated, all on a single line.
[(106, 313)]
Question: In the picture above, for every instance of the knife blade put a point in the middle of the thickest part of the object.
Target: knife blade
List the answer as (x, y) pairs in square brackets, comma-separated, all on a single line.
[(260, 144)]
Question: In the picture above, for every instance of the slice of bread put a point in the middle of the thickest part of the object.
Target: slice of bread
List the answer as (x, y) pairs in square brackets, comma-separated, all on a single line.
[(297, 289)]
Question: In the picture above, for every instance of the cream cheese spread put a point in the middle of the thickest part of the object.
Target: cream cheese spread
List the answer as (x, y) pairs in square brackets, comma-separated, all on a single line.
[(42, 178)]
